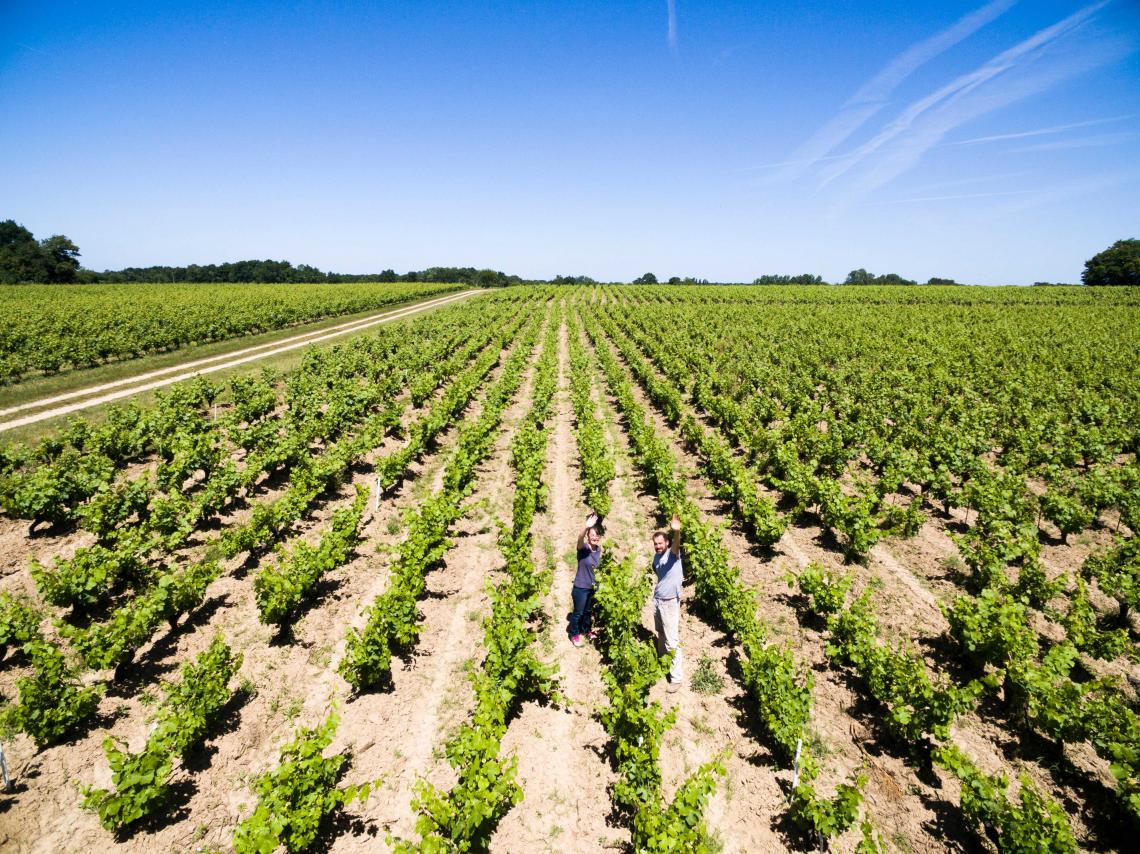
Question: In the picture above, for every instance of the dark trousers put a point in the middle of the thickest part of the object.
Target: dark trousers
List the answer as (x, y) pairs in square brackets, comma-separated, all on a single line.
[(583, 617)]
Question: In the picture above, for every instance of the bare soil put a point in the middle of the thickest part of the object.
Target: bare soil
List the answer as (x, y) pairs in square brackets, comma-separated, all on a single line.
[(916, 808), (397, 735)]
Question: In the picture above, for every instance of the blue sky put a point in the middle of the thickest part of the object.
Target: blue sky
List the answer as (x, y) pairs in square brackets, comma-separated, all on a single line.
[(992, 142)]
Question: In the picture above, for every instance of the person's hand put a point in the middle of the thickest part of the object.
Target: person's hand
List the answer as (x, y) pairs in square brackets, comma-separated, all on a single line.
[(675, 525), (591, 520)]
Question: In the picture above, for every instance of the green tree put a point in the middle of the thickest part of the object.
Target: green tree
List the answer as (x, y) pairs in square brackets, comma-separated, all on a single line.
[(486, 278), (859, 277), (1119, 264), (893, 279), (779, 279), (21, 259), (646, 279), (60, 258), (862, 277)]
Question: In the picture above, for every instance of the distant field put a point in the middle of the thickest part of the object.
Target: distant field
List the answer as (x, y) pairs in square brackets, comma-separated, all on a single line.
[(49, 328)]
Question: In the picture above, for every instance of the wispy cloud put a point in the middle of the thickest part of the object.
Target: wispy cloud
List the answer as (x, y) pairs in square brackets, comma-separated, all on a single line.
[(873, 95), (1034, 66), (978, 140), (1097, 141), (1001, 137), (951, 105), (1064, 192), (989, 179), (671, 5)]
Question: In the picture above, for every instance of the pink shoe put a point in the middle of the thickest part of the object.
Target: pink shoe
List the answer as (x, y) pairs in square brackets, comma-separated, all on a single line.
[(576, 640), (593, 635)]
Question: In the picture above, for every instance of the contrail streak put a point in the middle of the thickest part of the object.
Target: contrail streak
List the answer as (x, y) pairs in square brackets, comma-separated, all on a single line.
[(962, 86), (1064, 192), (1042, 131), (672, 34), (1084, 142), (874, 94)]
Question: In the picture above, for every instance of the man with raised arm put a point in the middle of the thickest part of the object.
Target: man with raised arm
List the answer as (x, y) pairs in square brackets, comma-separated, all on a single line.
[(667, 597)]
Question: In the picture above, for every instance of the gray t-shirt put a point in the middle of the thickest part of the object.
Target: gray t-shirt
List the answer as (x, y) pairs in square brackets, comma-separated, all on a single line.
[(670, 574)]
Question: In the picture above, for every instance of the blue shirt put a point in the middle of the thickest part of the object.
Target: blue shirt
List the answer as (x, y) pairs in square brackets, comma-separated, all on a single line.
[(588, 560), (670, 574)]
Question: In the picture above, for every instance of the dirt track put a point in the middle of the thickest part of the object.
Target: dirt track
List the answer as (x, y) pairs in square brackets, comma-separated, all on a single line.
[(178, 373)]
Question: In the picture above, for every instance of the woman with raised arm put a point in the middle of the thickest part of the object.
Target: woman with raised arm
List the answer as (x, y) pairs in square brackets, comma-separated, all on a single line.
[(589, 555), (667, 598)]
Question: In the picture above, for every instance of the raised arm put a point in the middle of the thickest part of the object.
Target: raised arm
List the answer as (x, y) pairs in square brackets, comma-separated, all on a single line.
[(591, 521), (675, 527)]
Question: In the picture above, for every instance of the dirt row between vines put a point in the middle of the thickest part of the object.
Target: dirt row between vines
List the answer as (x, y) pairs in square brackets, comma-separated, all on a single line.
[(915, 809), (392, 734), (740, 811), (564, 768)]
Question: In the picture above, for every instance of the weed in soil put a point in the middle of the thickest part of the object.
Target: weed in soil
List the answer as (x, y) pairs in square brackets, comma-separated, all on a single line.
[(706, 680)]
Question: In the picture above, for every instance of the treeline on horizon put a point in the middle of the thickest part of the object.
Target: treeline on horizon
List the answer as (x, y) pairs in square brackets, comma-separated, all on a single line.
[(283, 272), (55, 259)]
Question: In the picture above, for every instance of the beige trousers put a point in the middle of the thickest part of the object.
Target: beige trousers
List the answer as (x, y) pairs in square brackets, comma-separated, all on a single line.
[(667, 618)]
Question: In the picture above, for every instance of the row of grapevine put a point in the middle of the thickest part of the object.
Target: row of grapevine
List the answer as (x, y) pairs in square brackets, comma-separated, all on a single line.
[(279, 589), (998, 621), (183, 720), (921, 710), (177, 591), (594, 456), (300, 793), (52, 328), (52, 694), (465, 817), (636, 726), (391, 623), (780, 688)]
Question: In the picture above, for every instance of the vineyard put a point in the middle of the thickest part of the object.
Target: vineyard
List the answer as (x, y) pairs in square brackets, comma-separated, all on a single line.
[(325, 608), (49, 328)]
